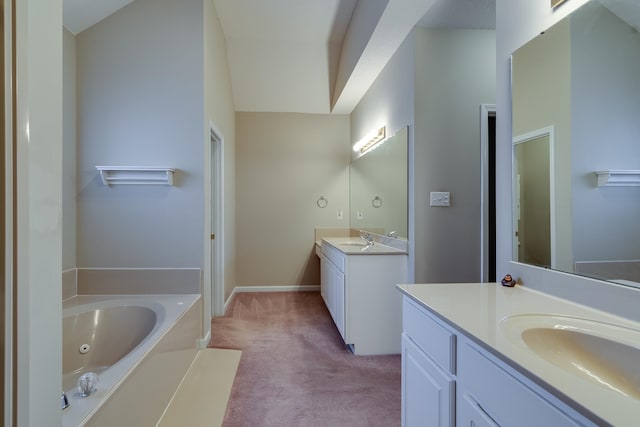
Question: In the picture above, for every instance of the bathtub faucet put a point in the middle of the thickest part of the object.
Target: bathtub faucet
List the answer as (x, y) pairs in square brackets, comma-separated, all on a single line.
[(64, 402)]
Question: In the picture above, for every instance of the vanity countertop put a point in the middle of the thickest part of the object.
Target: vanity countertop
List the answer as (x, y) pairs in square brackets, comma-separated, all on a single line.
[(347, 246), (477, 309)]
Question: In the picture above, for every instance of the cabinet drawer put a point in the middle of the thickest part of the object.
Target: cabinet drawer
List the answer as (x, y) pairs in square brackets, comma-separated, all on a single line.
[(334, 255), (507, 401), (432, 337)]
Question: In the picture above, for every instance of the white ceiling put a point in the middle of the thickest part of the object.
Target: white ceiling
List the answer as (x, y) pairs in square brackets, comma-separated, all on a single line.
[(284, 54)]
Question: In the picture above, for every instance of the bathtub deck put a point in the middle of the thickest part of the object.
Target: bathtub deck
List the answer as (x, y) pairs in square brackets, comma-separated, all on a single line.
[(201, 399)]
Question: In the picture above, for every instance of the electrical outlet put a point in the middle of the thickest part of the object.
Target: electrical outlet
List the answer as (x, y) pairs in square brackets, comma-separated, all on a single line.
[(339, 215), (359, 215), (439, 198)]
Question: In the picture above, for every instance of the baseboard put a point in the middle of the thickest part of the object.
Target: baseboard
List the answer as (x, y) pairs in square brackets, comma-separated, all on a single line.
[(204, 342), (286, 288)]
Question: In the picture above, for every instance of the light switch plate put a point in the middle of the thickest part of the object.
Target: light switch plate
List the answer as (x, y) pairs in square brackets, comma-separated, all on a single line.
[(439, 198)]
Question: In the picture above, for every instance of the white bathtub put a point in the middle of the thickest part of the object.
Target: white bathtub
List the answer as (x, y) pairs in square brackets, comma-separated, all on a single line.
[(119, 332)]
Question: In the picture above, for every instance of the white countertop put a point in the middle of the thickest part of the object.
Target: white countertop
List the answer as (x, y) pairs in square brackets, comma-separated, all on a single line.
[(477, 310), (375, 249)]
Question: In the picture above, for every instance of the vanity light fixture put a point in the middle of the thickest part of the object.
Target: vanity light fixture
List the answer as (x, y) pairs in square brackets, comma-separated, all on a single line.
[(370, 140)]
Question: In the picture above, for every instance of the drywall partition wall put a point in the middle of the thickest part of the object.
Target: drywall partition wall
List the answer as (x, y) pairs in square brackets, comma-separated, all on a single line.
[(38, 216), (389, 101), (140, 102), (363, 22), (284, 163), (218, 108), (454, 75), (605, 219), (69, 151)]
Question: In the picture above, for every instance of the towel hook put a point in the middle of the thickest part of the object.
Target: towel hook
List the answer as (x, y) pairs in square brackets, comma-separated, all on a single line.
[(322, 202)]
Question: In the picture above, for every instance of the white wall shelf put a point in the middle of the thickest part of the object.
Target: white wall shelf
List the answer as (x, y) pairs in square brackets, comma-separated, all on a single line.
[(620, 178), (141, 175)]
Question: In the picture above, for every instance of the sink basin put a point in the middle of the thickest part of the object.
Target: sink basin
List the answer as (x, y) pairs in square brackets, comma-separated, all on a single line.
[(354, 243), (602, 353)]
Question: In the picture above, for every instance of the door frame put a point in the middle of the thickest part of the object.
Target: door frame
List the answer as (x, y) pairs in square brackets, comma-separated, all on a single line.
[(486, 110), (213, 264)]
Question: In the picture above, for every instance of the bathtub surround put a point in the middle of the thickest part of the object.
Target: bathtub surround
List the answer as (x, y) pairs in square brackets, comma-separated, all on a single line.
[(295, 369), (204, 392), (69, 283), (138, 281)]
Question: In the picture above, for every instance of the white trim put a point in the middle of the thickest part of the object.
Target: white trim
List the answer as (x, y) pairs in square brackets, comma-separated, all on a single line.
[(213, 275), (485, 112), (289, 288), (218, 274), (548, 130), (204, 342)]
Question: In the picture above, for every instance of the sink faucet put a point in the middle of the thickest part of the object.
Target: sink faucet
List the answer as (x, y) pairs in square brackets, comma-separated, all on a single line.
[(393, 234), (367, 238)]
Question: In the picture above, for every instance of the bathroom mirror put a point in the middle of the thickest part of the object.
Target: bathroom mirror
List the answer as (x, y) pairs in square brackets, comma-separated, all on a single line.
[(378, 187), (579, 83)]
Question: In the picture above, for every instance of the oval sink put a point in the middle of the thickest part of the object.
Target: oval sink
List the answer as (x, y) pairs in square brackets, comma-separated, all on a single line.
[(354, 243), (602, 353)]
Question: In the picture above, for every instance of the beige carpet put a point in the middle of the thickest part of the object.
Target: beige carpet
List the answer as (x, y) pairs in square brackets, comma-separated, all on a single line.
[(296, 371)]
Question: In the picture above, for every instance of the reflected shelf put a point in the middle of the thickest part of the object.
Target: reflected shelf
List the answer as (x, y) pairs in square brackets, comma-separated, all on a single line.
[(619, 178), (140, 175)]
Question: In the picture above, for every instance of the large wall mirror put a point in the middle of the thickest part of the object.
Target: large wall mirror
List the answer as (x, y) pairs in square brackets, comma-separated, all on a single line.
[(378, 188), (576, 111)]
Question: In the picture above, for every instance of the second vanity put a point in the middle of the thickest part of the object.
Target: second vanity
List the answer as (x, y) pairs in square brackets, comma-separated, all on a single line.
[(486, 355), (358, 285)]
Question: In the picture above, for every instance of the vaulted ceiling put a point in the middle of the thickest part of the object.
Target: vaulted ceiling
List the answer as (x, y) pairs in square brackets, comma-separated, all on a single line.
[(310, 56)]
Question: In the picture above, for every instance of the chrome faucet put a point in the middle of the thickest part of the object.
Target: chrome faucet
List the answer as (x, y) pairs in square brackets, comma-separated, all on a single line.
[(64, 402), (393, 234), (367, 238)]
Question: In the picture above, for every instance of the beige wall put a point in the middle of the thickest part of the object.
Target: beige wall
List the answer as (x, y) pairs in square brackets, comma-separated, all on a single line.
[(284, 163)]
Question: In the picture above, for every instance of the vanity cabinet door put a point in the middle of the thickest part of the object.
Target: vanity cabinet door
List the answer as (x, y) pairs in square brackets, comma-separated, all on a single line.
[(324, 279), (332, 289), (428, 392), (338, 284)]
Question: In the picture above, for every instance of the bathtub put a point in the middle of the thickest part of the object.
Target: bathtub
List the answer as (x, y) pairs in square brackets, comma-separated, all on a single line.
[(114, 336)]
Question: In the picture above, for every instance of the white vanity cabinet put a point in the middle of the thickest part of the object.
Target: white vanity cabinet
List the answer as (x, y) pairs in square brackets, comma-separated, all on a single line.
[(359, 290), (450, 380)]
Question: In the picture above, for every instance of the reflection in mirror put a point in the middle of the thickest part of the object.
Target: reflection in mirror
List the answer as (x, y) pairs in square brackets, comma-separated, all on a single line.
[(582, 78), (378, 188), (533, 199)]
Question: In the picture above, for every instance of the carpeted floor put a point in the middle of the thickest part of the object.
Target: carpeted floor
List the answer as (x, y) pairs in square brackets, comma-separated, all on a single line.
[(296, 371)]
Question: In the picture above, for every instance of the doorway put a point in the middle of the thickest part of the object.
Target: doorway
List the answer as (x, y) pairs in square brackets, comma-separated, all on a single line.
[(216, 220), (533, 210), (488, 193)]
